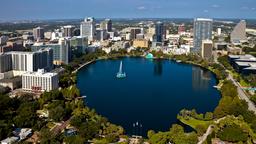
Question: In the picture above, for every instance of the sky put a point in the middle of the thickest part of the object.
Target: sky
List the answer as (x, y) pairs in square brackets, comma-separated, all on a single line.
[(72, 9)]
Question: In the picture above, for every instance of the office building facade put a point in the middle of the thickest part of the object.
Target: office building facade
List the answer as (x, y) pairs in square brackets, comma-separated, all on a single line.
[(88, 28), (106, 25), (238, 35), (206, 51), (202, 31), (68, 31), (38, 33)]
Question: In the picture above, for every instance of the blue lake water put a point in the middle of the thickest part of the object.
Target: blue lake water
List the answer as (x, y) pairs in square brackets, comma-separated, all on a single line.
[(152, 94)]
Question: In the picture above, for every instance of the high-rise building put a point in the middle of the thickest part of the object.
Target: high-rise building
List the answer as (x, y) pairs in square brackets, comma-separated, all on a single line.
[(79, 43), (134, 32), (5, 63), (106, 25), (3, 40), (40, 81), (15, 63), (32, 61), (101, 35), (238, 35), (159, 32), (68, 31), (38, 33), (65, 51), (88, 28), (61, 51), (206, 51), (202, 31), (218, 31)]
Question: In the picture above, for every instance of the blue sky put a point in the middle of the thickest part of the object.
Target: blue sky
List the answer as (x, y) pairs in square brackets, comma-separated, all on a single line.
[(52, 9)]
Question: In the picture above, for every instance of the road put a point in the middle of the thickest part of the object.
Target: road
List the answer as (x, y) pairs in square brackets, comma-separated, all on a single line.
[(241, 93), (58, 129)]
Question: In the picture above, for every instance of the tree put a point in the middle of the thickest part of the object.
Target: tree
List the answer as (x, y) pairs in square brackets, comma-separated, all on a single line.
[(208, 116), (233, 133), (26, 114), (57, 114), (74, 139)]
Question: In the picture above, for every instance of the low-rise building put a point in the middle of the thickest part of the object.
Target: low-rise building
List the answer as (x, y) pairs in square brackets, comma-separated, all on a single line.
[(40, 81), (143, 43), (244, 64)]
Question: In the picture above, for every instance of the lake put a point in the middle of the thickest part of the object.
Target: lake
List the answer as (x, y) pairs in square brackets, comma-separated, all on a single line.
[(151, 95)]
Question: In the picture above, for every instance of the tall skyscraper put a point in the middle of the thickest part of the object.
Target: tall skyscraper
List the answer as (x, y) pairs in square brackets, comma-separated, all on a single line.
[(202, 31), (38, 33), (88, 28), (106, 25), (68, 31), (159, 32), (238, 35), (64, 51)]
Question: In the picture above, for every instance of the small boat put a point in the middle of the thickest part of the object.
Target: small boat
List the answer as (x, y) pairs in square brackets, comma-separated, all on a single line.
[(121, 74), (178, 61)]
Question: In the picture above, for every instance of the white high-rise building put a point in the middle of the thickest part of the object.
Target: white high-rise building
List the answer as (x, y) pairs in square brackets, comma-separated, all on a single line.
[(202, 31), (88, 28), (218, 31), (40, 81), (238, 35), (16, 63)]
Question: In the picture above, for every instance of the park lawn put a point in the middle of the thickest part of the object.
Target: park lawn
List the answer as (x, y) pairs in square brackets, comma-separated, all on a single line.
[(192, 122)]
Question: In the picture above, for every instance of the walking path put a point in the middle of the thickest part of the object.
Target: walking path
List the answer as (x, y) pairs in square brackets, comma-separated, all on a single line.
[(209, 131)]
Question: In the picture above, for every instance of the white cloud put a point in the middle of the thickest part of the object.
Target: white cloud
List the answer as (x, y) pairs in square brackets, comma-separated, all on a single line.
[(215, 6), (244, 8), (206, 11), (141, 8)]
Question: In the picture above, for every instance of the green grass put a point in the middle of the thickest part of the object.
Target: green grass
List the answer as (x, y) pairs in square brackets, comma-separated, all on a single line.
[(192, 122)]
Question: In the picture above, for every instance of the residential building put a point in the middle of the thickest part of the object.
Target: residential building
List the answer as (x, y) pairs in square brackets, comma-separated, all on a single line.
[(61, 50), (206, 50), (16, 63), (40, 81), (79, 43), (88, 28), (38, 33), (202, 31), (134, 32), (68, 31), (3, 40), (238, 35)]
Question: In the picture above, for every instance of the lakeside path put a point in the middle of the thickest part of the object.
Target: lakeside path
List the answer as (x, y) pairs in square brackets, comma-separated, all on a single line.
[(242, 94), (87, 63)]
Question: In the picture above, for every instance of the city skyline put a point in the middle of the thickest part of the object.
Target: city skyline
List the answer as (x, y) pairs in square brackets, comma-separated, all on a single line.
[(67, 9)]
